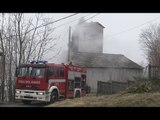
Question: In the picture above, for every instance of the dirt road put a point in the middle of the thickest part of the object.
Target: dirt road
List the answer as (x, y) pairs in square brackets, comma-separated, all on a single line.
[(20, 104)]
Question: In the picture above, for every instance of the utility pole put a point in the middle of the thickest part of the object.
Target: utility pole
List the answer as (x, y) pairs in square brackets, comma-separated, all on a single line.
[(69, 44)]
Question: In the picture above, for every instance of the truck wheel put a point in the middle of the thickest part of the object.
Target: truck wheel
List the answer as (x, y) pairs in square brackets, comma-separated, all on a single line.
[(77, 94), (26, 102), (54, 96)]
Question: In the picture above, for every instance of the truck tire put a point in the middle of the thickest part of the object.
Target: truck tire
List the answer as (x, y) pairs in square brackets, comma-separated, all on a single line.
[(54, 96), (77, 94), (26, 102)]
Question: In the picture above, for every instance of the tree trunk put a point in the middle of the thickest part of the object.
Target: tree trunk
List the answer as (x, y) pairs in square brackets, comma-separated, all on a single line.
[(3, 78), (3, 69)]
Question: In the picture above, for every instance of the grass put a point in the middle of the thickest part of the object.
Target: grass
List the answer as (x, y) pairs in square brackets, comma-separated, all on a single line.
[(122, 99)]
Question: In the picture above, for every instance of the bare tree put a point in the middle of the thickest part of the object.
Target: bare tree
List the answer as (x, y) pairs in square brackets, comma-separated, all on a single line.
[(3, 58), (150, 41), (23, 38), (34, 44)]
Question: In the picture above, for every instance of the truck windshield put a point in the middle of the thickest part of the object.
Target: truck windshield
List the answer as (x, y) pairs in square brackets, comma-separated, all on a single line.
[(37, 72), (31, 72)]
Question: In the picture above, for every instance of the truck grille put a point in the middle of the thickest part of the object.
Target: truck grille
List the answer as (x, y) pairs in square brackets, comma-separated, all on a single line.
[(28, 92), (32, 87), (28, 97)]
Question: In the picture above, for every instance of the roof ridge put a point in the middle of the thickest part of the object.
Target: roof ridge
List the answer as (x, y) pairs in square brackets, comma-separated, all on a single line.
[(112, 54), (90, 23), (98, 53)]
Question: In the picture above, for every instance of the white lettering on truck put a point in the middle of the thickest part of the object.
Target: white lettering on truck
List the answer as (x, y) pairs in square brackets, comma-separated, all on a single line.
[(28, 82)]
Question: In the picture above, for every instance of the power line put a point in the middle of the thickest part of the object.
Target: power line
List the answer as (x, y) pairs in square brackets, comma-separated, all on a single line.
[(88, 18), (60, 20), (54, 21), (131, 28), (71, 21), (91, 17), (67, 30), (74, 25), (76, 20), (47, 24), (67, 23)]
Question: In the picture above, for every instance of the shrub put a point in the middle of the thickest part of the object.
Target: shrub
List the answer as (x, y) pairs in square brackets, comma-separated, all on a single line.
[(141, 85)]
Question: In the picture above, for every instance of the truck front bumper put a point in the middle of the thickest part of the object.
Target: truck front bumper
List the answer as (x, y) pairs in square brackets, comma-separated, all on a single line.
[(32, 95)]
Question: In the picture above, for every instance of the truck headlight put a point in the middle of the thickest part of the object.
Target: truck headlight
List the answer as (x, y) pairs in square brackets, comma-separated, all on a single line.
[(40, 93), (18, 92)]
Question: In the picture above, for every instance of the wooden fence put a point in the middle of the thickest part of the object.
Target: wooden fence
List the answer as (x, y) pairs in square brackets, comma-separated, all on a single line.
[(153, 72), (112, 87)]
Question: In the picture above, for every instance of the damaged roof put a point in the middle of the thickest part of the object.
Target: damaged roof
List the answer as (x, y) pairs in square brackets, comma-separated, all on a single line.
[(103, 60)]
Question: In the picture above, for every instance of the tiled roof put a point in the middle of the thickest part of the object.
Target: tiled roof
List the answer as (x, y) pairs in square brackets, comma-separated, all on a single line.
[(103, 60)]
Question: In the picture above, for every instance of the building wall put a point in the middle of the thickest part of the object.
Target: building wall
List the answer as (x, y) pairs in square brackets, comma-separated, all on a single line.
[(108, 74)]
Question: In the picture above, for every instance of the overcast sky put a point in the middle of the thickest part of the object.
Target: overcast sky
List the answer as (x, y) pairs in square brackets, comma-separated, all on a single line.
[(121, 32)]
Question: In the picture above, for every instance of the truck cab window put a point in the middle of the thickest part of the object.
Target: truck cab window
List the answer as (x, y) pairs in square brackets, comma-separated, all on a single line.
[(56, 69), (38, 72), (50, 71), (23, 72), (61, 72)]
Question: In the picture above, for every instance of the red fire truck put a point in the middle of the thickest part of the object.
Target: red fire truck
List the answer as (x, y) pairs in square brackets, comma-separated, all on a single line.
[(47, 82)]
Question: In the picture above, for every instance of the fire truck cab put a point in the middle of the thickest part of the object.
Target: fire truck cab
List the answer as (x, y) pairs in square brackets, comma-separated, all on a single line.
[(47, 82)]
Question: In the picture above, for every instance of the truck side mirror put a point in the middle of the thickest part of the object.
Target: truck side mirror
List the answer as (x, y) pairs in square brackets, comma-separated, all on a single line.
[(16, 72)]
